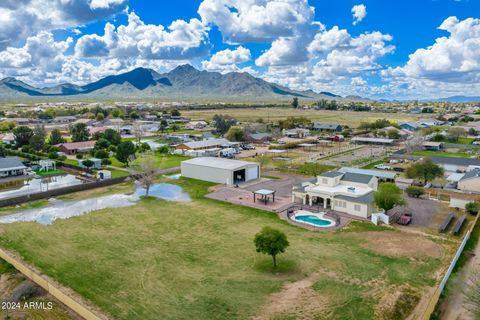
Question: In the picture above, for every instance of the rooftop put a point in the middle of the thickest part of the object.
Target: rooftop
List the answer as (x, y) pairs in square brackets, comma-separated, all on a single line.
[(331, 174), (11, 163), (357, 177), (376, 173), (208, 143), (220, 163)]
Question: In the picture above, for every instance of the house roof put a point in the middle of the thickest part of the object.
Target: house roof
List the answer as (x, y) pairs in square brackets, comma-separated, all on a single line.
[(375, 140), (432, 144), (366, 198), (208, 143), (376, 173), (357, 177), (11, 163), (475, 173), (77, 145), (326, 126), (260, 135), (331, 174), (220, 163), (456, 161)]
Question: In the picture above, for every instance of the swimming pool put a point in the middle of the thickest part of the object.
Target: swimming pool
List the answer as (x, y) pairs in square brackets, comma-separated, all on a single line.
[(313, 219)]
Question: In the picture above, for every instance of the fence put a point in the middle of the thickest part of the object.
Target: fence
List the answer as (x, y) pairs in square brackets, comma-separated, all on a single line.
[(60, 191), (438, 291), (76, 306)]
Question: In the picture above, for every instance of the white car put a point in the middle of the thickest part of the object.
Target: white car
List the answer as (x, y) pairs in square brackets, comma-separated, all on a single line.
[(382, 167)]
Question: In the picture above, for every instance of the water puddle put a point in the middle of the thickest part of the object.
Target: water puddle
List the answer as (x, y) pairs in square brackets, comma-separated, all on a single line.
[(65, 209)]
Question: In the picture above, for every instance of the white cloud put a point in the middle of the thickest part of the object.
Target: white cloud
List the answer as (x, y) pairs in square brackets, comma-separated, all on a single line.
[(227, 60), (359, 13), (242, 21), (455, 58), (23, 18), (181, 40)]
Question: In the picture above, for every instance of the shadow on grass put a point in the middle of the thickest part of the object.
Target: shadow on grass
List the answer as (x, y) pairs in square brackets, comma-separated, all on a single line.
[(265, 264)]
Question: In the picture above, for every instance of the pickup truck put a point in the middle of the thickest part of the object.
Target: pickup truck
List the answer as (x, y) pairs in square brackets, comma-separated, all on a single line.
[(382, 167)]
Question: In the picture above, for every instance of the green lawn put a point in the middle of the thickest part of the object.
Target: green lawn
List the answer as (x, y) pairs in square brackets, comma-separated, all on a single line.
[(167, 161), (167, 260), (49, 173), (441, 153), (465, 140)]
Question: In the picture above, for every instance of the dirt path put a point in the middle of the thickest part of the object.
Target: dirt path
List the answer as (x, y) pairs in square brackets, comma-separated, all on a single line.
[(454, 308), (297, 299)]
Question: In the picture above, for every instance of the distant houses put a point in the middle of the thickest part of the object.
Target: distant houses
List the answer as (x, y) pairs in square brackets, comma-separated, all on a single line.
[(327, 127)]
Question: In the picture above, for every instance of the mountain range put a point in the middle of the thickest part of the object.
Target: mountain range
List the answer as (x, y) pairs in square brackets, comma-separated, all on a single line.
[(181, 84)]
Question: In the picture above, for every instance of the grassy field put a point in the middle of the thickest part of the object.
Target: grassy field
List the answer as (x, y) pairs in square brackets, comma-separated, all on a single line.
[(442, 154), (349, 118), (166, 260)]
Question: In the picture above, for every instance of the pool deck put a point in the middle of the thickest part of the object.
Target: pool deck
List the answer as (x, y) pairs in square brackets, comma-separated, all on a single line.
[(245, 198)]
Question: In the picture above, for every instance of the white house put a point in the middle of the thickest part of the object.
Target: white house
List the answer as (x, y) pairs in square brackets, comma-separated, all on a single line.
[(345, 192), (11, 167)]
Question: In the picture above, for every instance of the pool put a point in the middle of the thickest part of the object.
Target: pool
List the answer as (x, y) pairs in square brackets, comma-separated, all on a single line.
[(313, 219)]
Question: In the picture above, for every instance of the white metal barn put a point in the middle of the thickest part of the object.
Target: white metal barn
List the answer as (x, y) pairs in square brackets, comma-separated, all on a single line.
[(220, 170)]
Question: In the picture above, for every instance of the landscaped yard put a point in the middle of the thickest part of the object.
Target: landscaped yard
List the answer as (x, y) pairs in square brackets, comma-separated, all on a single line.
[(167, 260)]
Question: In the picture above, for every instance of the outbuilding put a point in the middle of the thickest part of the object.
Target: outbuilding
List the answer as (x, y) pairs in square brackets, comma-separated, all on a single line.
[(220, 170)]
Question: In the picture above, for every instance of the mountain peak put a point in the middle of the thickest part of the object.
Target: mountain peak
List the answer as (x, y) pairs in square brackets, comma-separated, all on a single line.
[(184, 69)]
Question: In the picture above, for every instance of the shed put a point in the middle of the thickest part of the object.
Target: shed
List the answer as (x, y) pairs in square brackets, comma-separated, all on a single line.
[(220, 170)]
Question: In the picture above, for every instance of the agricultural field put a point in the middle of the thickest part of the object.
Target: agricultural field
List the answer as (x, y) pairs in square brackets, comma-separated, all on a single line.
[(350, 118), (168, 260)]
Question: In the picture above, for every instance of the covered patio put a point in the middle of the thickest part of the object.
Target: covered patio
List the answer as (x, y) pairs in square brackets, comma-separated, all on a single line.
[(264, 195)]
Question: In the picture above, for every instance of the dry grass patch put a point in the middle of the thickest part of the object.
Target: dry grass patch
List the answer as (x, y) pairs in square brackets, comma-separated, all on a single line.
[(400, 244)]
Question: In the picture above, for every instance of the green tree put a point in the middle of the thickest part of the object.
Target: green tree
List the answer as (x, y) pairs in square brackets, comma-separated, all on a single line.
[(415, 192), (88, 163), (102, 143), (425, 169), (37, 142), (175, 113), (79, 132), (113, 136), (134, 115), (100, 116), (3, 151), (388, 196), (22, 135), (223, 123), (117, 113), (124, 150), (272, 242), (235, 134), (295, 103), (55, 137), (472, 207), (393, 134), (163, 126)]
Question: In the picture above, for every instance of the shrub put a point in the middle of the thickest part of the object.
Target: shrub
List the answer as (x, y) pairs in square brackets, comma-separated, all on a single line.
[(415, 192), (53, 155), (79, 156), (472, 207), (106, 162), (62, 158)]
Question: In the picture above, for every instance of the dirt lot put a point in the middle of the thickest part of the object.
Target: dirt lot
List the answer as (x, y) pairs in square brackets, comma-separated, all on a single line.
[(401, 244)]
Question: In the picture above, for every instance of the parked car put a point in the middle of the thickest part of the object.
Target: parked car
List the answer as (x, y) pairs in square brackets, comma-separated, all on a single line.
[(382, 167), (405, 219), (398, 169), (394, 161)]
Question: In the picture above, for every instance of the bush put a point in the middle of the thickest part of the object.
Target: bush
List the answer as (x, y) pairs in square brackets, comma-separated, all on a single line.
[(163, 149), (53, 155), (101, 154), (106, 162), (62, 158), (79, 156), (472, 207), (415, 192)]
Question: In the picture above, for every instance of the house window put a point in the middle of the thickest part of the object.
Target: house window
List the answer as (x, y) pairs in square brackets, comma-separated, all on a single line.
[(357, 207)]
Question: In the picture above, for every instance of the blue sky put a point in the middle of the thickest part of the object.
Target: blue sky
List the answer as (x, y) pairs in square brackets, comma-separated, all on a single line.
[(380, 49)]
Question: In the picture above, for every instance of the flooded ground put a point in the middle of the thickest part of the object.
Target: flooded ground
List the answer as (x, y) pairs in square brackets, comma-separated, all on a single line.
[(29, 186), (65, 209)]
